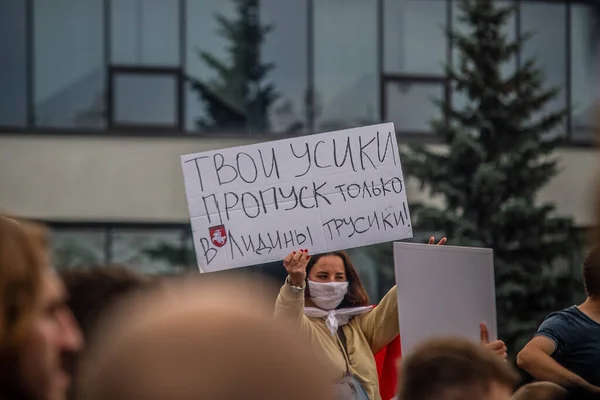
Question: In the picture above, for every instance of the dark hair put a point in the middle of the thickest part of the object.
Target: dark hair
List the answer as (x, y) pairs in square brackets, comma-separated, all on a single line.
[(591, 272), (93, 290), (540, 391), (452, 368), (24, 259), (357, 295)]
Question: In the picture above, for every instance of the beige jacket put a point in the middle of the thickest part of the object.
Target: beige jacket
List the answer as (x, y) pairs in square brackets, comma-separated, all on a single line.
[(366, 334)]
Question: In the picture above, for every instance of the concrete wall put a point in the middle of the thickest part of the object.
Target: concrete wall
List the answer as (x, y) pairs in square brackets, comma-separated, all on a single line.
[(139, 179)]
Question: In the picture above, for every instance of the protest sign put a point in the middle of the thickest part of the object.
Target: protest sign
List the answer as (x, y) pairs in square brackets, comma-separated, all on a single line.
[(444, 291), (254, 204)]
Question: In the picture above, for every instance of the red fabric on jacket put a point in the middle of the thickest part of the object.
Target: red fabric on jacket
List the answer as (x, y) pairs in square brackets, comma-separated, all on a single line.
[(386, 360)]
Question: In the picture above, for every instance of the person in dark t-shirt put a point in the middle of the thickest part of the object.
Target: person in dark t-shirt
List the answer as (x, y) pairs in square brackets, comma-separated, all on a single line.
[(566, 347), (576, 339)]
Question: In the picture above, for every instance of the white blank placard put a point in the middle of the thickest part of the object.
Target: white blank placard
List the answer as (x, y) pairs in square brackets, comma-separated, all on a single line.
[(444, 291)]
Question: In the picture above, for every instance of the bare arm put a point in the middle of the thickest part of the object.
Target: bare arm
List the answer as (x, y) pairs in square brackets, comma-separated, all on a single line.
[(535, 358)]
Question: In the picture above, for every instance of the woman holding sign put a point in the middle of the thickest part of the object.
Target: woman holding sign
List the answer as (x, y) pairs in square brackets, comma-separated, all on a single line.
[(324, 295)]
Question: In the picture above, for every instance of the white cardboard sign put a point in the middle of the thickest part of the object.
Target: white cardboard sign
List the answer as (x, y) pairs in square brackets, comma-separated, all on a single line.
[(254, 204), (444, 291)]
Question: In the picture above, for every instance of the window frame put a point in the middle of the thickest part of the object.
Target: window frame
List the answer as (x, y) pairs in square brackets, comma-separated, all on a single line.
[(108, 228), (178, 131), (115, 71)]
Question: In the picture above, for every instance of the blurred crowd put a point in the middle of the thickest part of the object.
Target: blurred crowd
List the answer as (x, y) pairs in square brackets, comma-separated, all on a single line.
[(107, 332)]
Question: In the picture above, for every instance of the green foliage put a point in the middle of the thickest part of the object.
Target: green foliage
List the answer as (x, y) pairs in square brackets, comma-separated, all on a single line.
[(500, 153), (238, 99)]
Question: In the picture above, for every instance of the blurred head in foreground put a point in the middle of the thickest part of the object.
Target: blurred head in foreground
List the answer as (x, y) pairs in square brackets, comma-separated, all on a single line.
[(93, 291), (453, 369), (199, 338), (540, 391), (37, 329)]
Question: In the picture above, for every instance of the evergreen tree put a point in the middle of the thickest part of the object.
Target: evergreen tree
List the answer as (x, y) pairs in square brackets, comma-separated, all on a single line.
[(238, 99), (500, 154)]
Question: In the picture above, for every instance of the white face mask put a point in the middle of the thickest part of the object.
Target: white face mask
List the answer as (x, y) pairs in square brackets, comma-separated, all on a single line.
[(327, 296)]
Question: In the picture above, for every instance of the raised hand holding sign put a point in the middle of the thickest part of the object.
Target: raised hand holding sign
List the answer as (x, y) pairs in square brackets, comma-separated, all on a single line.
[(497, 346), (440, 243)]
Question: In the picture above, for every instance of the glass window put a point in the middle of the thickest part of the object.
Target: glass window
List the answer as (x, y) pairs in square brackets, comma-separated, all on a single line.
[(459, 99), (225, 94), (151, 251), (13, 63), (414, 37), (410, 105), (287, 48), (346, 68), (69, 64), (585, 25), (145, 99), (548, 47), (78, 247), (144, 32)]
